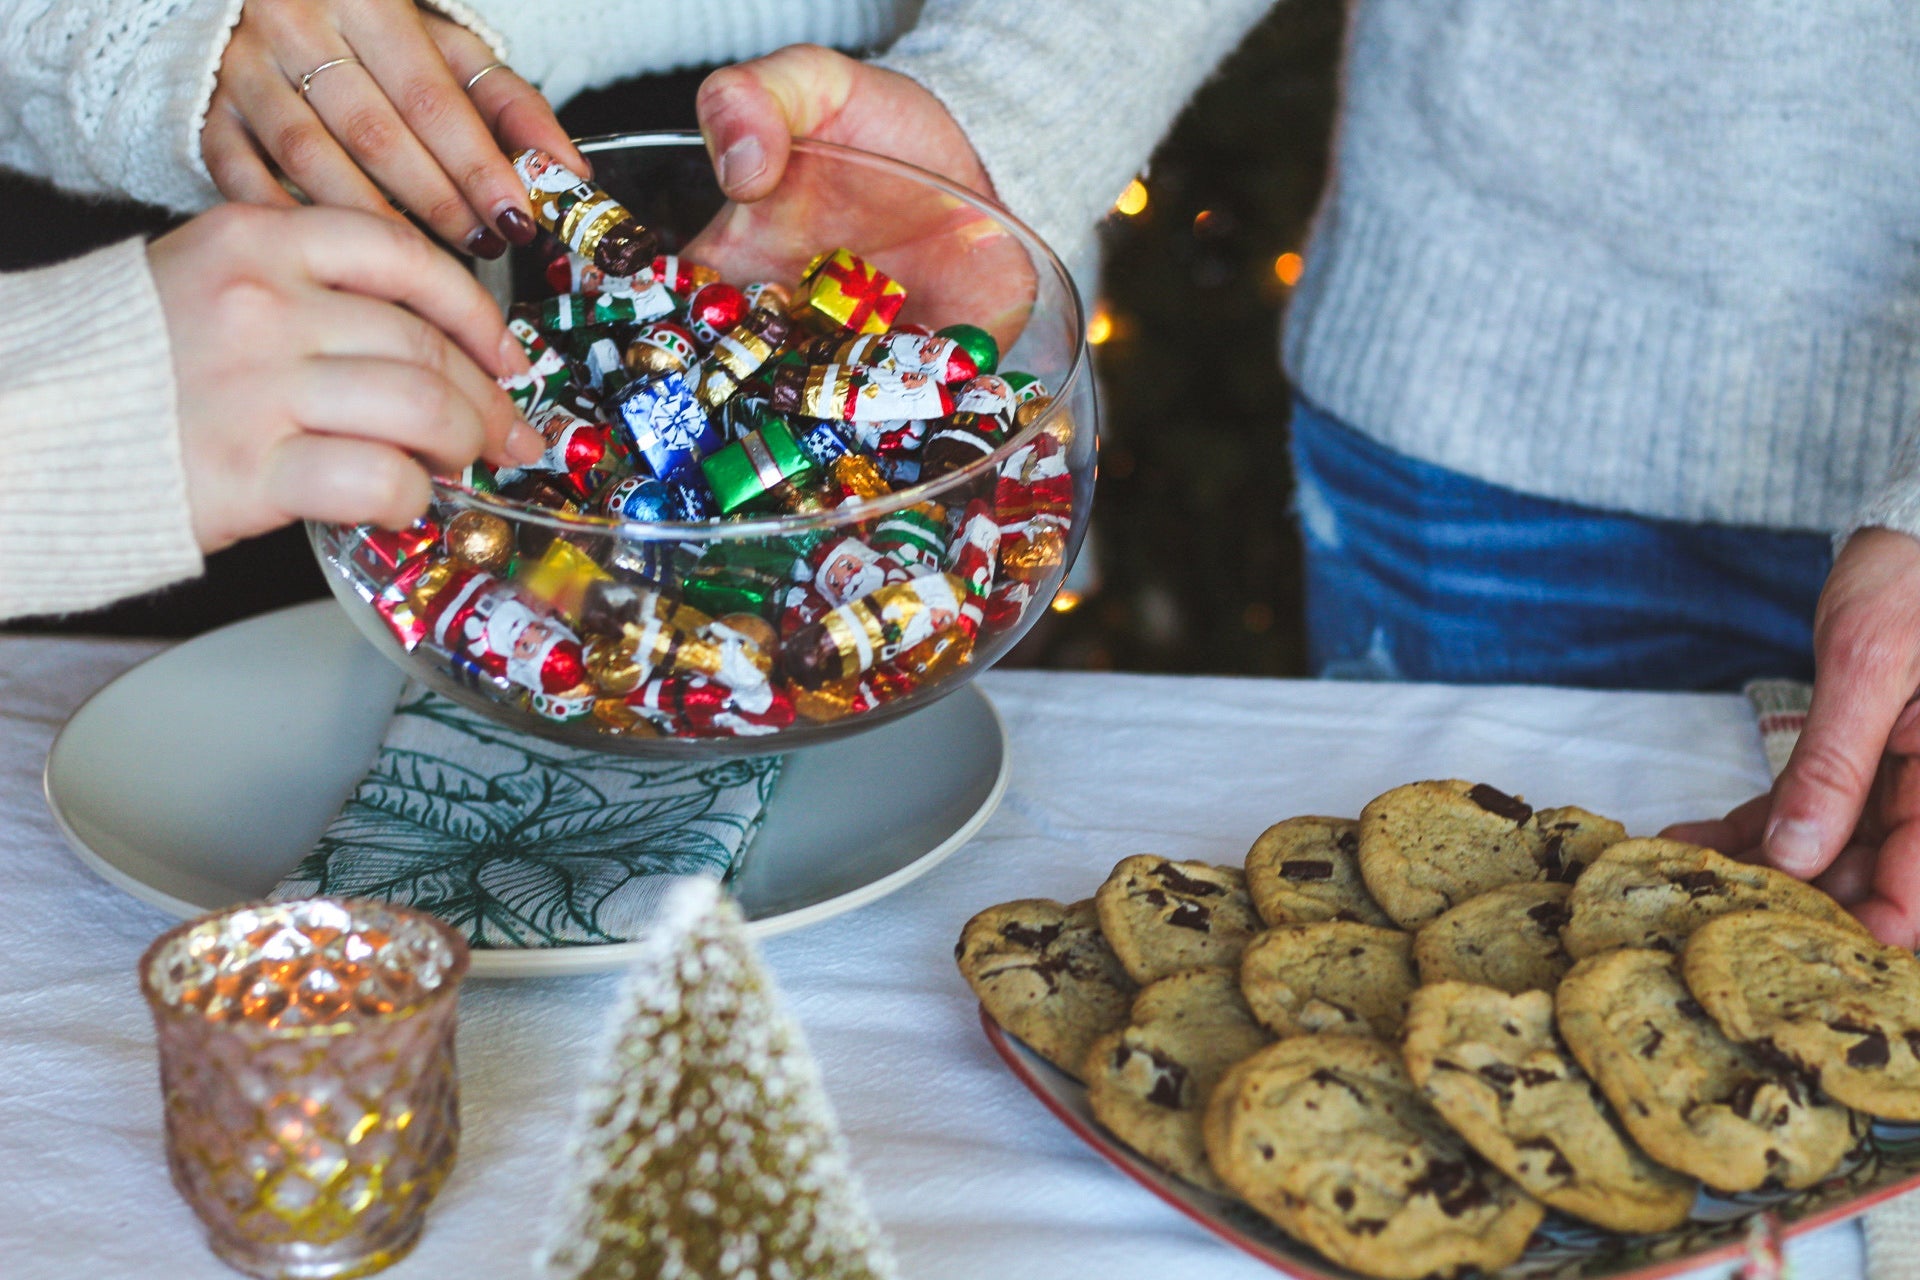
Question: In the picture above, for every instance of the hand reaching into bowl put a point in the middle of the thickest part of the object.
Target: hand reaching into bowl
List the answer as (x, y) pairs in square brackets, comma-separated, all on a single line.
[(323, 361), (356, 102), (963, 267)]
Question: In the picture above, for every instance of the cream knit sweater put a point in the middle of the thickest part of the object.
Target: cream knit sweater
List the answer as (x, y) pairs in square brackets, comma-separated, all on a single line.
[(108, 96)]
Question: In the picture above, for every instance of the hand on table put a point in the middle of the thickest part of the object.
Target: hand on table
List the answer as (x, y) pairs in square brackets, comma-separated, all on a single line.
[(407, 120), (1846, 810), (955, 267), (323, 361)]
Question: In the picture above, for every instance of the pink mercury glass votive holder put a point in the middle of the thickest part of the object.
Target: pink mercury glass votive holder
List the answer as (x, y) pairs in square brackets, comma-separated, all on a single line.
[(307, 1067)]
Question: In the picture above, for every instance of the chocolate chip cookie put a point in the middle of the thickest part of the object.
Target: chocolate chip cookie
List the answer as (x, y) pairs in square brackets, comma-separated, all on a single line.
[(1429, 846), (1044, 972), (1327, 1136), (1492, 1065), (1162, 916), (1726, 1113), (1307, 869), (1331, 976), (1509, 938), (1149, 1082), (1653, 893), (1840, 1005)]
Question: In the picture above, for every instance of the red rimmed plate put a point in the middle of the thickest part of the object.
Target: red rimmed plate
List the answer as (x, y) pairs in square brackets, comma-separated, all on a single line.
[(1723, 1228)]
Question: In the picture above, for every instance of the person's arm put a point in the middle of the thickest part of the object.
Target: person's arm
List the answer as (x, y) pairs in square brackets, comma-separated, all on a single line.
[(253, 367), (1064, 103), (106, 96), (93, 497)]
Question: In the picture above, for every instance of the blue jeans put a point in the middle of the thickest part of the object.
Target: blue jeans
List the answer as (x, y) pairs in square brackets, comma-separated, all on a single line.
[(1415, 572)]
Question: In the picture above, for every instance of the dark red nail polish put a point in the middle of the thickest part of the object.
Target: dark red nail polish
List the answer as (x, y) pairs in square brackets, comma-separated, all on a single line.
[(484, 244), (517, 227)]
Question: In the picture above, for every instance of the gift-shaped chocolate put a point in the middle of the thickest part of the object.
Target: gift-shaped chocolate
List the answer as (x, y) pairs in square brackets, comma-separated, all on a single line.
[(843, 289), (752, 469)]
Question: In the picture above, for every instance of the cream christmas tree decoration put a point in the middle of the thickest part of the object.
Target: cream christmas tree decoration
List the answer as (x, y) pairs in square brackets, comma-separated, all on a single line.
[(706, 1149)]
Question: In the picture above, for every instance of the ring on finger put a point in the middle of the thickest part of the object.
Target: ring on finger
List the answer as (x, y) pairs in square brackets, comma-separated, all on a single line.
[(474, 79), (306, 81)]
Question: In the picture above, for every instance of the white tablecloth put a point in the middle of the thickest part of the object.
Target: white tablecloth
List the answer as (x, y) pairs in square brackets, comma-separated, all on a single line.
[(967, 1172)]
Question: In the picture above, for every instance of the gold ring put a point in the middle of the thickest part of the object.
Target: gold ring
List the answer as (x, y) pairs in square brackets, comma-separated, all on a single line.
[(474, 79), (306, 81)]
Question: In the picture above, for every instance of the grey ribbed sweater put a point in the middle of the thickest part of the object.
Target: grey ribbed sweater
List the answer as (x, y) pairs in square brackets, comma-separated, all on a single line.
[(1660, 256)]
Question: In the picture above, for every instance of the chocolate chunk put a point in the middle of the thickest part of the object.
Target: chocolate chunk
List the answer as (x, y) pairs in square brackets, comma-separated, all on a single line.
[(1453, 1186), (1558, 1166), (1697, 883), (1169, 1077), (1550, 916), (1171, 876), (1324, 1076), (1169, 1086), (1344, 1198), (1032, 939), (1654, 1039), (1367, 1226), (1191, 915), (1307, 869), (1741, 1100), (1868, 1051), (1553, 861), (1533, 1077), (1499, 1073), (1913, 1042), (1348, 841), (1499, 803)]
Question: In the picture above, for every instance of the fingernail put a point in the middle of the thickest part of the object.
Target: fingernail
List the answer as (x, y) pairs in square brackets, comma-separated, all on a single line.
[(516, 226), (524, 444), (484, 244), (741, 163), (1793, 845), (513, 356)]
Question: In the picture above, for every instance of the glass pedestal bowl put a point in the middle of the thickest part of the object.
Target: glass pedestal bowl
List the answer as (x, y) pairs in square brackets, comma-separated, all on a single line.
[(757, 634)]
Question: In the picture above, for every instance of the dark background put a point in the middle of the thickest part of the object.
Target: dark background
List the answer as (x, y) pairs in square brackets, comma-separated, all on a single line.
[(1194, 563)]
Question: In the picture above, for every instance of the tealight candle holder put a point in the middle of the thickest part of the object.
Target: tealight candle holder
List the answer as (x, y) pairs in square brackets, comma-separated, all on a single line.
[(307, 1067)]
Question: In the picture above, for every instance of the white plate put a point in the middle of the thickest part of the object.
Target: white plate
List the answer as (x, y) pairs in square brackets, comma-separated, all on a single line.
[(200, 777)]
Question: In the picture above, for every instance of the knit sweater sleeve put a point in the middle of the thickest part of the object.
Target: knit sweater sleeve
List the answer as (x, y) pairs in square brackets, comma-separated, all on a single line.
[(565, 46), (110, 95), (1896, 504), (1064, 103), (93, 495)]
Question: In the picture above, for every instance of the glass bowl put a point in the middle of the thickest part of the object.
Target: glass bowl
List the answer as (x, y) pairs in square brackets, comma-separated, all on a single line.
[(759, 633)]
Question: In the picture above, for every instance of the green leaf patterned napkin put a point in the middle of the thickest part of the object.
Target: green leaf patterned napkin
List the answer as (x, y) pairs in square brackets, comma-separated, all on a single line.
[(519, 842)]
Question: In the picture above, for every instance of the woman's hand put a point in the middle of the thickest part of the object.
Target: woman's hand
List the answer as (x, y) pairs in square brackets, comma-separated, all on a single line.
[(957, 265), (325, 363), (399, 113)]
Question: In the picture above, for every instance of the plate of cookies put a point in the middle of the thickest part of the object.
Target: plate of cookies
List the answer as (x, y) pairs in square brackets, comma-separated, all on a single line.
[(1460, 1035)]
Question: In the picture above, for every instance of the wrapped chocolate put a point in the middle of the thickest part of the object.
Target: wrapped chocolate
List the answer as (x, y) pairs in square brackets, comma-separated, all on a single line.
[(747, 472), (846, 293), (548, 376), (846, 569), (664, 423), (876, 628), (662, 346), (941, 359), (977, 343), (586, 219), (915, 536), (739, 354), (856, 393), (713, 309)]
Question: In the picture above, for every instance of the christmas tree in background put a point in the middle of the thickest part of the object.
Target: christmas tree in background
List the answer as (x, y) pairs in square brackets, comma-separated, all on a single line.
[(707, 1149)]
